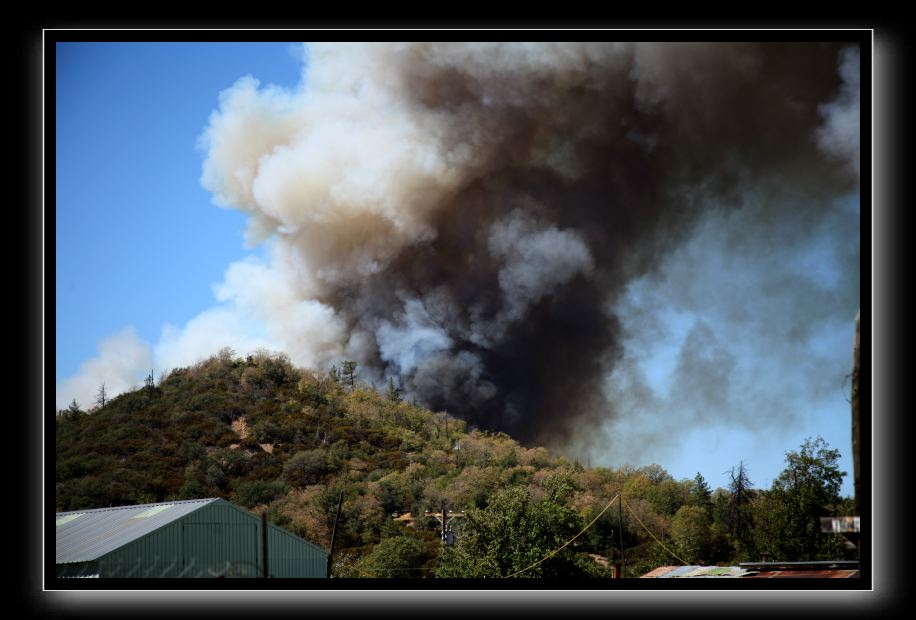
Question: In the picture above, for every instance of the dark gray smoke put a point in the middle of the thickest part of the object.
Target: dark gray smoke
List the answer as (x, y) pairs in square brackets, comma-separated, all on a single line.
[(464, 218)]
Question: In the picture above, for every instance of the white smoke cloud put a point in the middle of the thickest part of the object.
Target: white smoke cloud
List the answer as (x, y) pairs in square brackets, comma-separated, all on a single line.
[(839, 134), (342, 169), (122, 362), (350, 168), (252, 123), (204, 335), (413, 341), (257, 309), (305, 329), (536, 260)]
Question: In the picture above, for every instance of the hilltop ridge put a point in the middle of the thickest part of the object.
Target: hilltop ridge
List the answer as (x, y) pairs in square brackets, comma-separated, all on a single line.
[(271, 437)]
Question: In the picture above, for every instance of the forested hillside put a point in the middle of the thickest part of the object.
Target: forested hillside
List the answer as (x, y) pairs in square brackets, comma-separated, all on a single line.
[(268, 436)]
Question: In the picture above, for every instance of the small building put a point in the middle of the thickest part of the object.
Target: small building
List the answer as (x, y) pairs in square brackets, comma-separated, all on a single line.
[(405, 518), (694, 571), (762, 570), (191, 538)]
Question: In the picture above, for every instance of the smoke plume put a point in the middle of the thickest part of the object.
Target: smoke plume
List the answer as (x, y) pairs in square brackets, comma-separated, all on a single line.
[(123, 361), (467, 218)]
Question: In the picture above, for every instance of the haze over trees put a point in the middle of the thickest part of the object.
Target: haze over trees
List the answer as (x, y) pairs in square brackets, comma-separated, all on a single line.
[(271, 437)]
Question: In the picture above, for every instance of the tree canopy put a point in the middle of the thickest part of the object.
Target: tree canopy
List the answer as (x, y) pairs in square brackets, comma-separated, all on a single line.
[(271, 437), (807, 489)]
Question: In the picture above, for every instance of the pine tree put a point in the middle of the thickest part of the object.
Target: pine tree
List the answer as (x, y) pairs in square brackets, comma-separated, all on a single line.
[(700, 495), (348, 372), (394, 392), (101, 396), (73, 412), (740, 518)]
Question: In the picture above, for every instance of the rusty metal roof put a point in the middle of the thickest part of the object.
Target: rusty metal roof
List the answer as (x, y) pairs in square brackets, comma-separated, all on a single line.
[(656, 572), (762, 570), (806, 574), (693, 571)]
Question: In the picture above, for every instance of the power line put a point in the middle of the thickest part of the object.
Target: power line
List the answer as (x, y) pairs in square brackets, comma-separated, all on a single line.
[(552, 553), (654, 536), (364, 570), (357, 569), (399, 569)]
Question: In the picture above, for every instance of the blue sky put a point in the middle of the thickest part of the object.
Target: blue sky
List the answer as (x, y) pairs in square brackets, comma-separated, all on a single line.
[(143, 254), (139, 242)]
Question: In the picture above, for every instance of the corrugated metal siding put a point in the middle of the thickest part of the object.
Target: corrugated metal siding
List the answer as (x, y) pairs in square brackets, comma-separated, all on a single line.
[(158, 554), (218, 540), (291, 556)]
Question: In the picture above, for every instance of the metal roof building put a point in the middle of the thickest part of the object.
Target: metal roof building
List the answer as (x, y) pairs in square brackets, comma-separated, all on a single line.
[(837, 569), (695, 571), (192, 538)]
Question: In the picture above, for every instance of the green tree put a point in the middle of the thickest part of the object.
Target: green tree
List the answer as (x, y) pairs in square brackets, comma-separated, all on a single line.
[(194, 486), (306, 467), (266, 431), (807, 489), (512, 533), (699, 494), (73, 412), (739, 517), (394, 393), (216, 477), (691, 531), (253, 492), (398, 556), (393, 496), (348, 372)]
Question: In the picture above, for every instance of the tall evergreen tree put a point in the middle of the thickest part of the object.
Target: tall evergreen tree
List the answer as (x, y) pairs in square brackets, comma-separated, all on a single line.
[(700, 495), (73, 412), (348, 372), (394, 393), (740, 515), (101, 397)]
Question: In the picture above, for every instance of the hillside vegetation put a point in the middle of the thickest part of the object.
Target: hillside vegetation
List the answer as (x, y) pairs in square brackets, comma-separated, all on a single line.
[(268, 436)]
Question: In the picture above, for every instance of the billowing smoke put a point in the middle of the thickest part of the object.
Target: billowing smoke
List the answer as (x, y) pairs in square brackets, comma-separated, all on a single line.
[(466, 218), (840, 132), (122, 363)]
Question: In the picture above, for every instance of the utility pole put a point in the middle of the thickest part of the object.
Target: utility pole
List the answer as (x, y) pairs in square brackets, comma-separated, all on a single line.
[(849, 527), (855, 417), (445, 518), (623, 558), (334, 532)]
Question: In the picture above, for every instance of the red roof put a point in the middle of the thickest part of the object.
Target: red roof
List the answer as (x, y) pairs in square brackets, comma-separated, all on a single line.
[(805, 574)]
